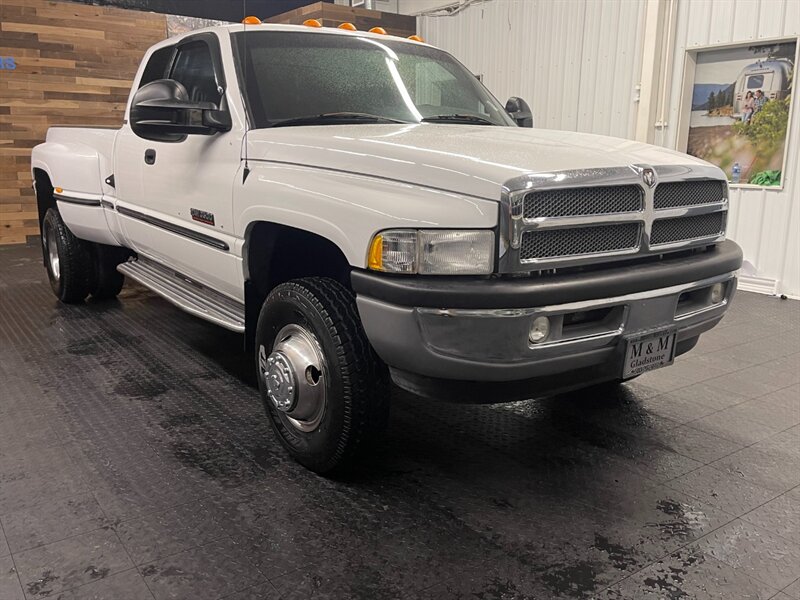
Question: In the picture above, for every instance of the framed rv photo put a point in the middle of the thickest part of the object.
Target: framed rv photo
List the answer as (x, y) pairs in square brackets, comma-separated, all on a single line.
[(741, 105)]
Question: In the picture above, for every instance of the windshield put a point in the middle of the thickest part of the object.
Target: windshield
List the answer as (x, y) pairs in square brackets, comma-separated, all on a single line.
[(291, 76)]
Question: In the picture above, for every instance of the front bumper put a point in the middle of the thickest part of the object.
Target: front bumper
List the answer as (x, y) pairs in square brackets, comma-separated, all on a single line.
[(477, 330)]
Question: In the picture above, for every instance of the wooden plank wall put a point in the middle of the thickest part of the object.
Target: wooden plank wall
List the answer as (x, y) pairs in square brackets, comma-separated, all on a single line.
[(74, 66)]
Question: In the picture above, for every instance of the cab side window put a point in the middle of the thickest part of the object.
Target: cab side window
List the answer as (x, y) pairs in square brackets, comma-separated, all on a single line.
[(194, 68)]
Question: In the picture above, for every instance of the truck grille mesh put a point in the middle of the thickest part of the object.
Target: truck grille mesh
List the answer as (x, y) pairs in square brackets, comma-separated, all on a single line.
[(688, 193), (569, 202), (666, 231), (551, 243)]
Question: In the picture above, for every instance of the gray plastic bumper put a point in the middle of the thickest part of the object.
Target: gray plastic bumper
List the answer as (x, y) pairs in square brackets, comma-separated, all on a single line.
[(493, 344)]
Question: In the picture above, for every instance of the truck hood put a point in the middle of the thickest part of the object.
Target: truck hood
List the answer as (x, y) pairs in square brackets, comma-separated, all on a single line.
[(466, 159)]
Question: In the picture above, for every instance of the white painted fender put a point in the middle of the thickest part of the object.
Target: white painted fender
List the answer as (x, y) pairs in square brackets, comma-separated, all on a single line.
[(348, 209), (76, 158)]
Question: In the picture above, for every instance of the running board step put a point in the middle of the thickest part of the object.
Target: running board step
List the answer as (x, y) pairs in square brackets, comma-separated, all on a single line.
[(186, 294)]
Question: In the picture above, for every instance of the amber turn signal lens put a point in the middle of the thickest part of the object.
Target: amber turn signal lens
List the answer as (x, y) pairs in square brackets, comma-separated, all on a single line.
[(58, 190), (380, 30), (415, 38), (312, 23), (375, 258), (251, 21), (348, 27)]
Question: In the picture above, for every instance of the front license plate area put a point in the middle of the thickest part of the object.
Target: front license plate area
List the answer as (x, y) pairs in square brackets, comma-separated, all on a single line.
[(649, 351)]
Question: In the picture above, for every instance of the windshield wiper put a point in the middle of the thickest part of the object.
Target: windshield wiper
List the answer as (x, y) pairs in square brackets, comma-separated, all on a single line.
[(474, 119), (335, 118)]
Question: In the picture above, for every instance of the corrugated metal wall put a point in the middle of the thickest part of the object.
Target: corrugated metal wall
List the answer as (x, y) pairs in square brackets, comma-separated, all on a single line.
[(578, 62), (765, 222)]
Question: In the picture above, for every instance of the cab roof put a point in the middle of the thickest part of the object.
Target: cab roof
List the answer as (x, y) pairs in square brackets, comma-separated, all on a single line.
[(239, 27)]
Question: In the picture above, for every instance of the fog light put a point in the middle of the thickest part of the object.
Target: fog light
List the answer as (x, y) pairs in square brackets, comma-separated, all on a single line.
[(717, 293), (540, 329)]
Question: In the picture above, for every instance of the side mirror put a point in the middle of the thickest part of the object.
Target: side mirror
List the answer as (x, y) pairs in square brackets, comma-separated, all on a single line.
[(520, 111), (161, 110)]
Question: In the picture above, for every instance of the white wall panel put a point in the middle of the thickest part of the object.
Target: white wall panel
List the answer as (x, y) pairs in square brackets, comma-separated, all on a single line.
[(577, 62), (765, 222)]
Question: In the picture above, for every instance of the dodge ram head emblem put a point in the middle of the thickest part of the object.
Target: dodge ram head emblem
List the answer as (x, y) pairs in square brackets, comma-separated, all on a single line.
[(649, 177)]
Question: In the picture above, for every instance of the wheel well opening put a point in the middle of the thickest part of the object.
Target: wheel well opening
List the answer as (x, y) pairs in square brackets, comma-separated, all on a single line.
[(275, 254), (44, 193), (44, 197)]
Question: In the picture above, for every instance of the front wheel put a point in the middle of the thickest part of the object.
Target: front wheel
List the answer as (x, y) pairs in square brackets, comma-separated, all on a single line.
[(324, 389)]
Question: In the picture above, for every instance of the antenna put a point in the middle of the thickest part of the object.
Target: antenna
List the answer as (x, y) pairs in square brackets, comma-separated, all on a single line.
[(246, 170)]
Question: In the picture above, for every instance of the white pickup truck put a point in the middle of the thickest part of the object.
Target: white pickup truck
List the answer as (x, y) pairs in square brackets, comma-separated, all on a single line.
[(363, 210)]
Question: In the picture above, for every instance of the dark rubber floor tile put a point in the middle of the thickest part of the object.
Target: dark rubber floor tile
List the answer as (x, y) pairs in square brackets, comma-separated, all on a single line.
[(758, 553), (204, 573), (733, 337), (10, 588), (785, 444), (52, 521), (752, 382), (771, 414), (4, 549), (48, 570), (793, 590), (160, 534), (728, 425), (781, 516), (757, 466), (22, 488), (677, 408), (358, 579), (25, 431), (698, 445), (514, 582), (691, 575), (264, 591), (706, 395), (687, 372), (122, 503), (158, 417), (726, 492), (787, 398), (127, 585)]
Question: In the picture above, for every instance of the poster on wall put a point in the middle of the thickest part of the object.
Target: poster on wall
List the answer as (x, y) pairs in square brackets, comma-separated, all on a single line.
[(741, 102)]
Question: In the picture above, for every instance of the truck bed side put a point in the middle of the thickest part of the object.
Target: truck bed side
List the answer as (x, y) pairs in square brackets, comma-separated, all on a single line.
[(74, 162)]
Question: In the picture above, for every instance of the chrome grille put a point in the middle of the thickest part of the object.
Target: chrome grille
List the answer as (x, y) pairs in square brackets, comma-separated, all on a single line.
[(680, 229), (576, 217), (674, 194), (576, 241), (569, 202)]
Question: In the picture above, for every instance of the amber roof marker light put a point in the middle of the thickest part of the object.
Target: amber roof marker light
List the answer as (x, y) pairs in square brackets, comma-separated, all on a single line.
[(416, 38), (348, 26), (312, 23), (380, 30), (251, 20)]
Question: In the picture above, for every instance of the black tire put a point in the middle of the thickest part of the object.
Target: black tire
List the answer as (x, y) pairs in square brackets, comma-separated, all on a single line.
[(69, 260), (355, 381), (108, 281)]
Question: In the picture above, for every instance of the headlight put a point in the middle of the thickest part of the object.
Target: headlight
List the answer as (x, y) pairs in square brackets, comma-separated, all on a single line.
[(432, 252)]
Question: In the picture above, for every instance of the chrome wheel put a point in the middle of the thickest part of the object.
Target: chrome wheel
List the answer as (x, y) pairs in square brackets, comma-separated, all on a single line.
[(295, 374), (52, 254)]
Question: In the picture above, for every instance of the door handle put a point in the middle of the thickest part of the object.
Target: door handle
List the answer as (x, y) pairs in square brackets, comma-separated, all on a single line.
[(150, 156)]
